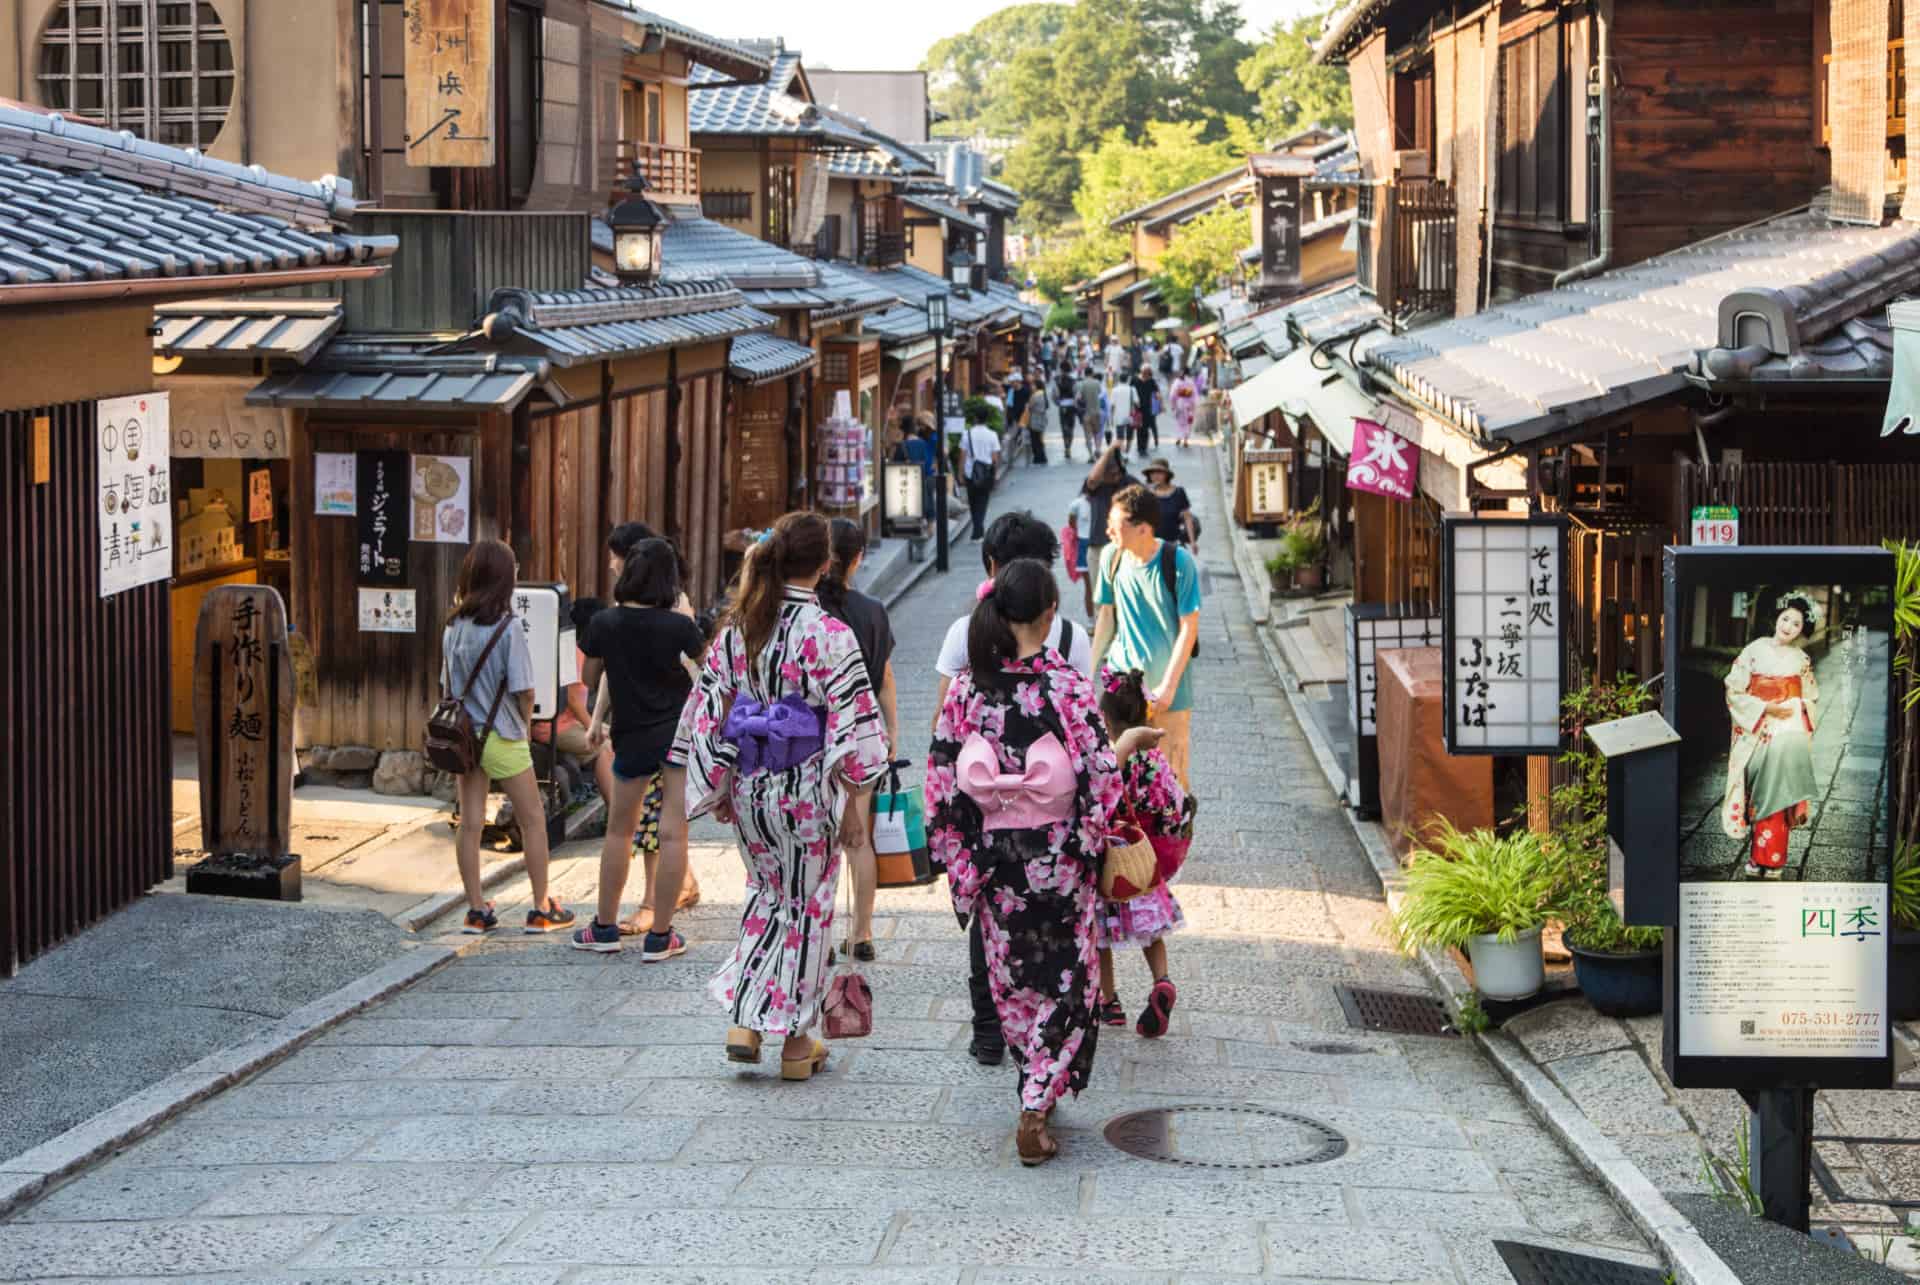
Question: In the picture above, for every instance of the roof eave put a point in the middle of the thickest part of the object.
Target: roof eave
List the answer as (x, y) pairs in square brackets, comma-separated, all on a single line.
[(162, 289)]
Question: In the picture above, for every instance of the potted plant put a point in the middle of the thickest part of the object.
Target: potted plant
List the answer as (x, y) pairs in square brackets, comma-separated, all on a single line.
[(1306, 543), (1485, 893), (1280, 569), (1903, 980), (1618, 967)]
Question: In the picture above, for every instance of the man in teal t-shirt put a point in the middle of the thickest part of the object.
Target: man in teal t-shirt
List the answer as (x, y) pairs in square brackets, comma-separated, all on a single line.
[(1143, 626)]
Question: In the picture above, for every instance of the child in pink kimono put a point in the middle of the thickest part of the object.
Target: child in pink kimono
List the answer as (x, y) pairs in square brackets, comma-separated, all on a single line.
[(1185, 399)]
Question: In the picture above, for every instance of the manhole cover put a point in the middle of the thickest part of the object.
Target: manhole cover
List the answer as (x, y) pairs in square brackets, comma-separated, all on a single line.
[(1402, 1012), (1225, 1137), (1533, 1265)]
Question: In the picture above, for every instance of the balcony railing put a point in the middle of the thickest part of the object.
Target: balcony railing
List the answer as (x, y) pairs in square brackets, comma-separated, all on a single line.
[(669, 171), (883, 249), (1406, 237)]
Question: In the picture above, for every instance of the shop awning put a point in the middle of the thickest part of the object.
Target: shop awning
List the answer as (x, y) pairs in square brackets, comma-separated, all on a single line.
[(1300, 388), (291, 328), (497, 390), (762, 358), (1168, 323)]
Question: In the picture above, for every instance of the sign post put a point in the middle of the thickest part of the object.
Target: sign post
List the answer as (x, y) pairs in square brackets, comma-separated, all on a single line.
[(1277, 218), (1504, 604), (449, 82), (541, 608)]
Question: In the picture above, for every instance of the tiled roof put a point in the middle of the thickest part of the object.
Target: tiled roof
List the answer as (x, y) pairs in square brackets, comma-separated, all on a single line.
[(965, 171), (1554, 359), (82, 204), (695, 248), (909, 320), (1160, 205), (885, 158), (936, 205), (361, 375), (759, 358), (1339, 311), (289, 328), (1029, 314), (853, 291), (762, 110), (737, 60), (1861, 349), (574, 326), (1117, 270)]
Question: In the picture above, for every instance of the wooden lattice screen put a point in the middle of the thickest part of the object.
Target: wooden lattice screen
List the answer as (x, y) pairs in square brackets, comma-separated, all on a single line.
[(1857, 109)]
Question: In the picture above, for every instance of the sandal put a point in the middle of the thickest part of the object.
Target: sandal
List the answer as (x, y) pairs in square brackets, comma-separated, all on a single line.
[(860, 950), (1153, 1018), (1110, 1013), (802, 1068), (1034, 1143), (743, 1045)]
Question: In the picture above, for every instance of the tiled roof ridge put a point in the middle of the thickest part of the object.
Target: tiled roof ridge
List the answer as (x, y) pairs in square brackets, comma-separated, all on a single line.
[(616, 303), (67, 144)]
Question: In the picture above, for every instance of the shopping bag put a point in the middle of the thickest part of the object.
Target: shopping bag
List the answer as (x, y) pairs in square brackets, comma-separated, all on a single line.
[(900, 851)]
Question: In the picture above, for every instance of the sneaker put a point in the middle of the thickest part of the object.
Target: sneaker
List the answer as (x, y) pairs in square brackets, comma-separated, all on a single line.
[(602, 939), (1153, 1018), (1111, 1014), (481, 922), (1752, 871), (988, 1050), (553, 916), (659, 946)]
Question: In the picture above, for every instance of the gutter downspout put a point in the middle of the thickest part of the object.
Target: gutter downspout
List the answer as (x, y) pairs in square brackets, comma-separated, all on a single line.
[(1600, 130)]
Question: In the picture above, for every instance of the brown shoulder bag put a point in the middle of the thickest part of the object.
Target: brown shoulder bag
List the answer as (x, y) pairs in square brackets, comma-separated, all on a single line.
[(451, 743)]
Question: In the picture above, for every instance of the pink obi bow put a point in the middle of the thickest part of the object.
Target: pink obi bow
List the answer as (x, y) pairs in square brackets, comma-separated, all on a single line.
[(1027, 800)]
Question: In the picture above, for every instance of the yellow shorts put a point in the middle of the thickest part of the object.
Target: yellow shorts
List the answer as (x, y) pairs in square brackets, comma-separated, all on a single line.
[(502, 760)]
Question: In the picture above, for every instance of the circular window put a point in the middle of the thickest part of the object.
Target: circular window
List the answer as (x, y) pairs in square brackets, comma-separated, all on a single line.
[(160, 68)]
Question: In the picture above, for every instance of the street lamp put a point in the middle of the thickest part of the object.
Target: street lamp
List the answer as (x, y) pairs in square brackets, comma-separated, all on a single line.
[(960, 270), (937, 323), (638, 226)]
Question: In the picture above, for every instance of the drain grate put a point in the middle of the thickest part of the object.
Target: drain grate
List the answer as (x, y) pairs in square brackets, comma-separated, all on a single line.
[(1225, 1137), (1534, 1265), (1402, 1012)]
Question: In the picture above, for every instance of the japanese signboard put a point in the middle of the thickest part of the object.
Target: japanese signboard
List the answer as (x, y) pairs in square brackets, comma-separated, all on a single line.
[(135, 492), (1277, 230), (388, 611), (1503, 600), (260, 495), (380, 493), (1716, 524), (449, 82), (334, 484), (1383, 462), (541, 610), (1779, 683), (1266, 482), (243, 694), (442, 499)]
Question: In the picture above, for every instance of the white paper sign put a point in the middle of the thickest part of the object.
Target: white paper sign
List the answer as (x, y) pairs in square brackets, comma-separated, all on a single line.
[(334, 480), (1367, 636), (1783, 969), (549, 646), (442, 499), (388, 611), (1504, 598), (136, 492)]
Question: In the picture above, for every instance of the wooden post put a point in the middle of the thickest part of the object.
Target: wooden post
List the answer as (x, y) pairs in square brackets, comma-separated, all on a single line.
[(1539, 787)]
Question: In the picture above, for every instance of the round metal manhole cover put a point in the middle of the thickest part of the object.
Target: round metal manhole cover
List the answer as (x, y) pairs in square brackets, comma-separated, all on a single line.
[(1225, 1137)]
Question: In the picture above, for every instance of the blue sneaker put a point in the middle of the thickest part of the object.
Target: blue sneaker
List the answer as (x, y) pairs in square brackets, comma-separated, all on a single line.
[(602, 939), (659, 946)]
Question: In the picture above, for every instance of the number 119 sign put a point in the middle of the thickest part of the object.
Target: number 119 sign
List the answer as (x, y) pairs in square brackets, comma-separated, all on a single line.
[(1716, 524)]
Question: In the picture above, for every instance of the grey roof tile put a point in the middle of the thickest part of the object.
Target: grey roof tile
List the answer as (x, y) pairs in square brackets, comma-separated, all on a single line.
[(352, 376), (936, 204), (758, 358), (737, 59), (574, 326), (291, 328), (767, 109)]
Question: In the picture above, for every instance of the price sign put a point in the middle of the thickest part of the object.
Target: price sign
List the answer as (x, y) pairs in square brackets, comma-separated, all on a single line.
[(1716, 524)]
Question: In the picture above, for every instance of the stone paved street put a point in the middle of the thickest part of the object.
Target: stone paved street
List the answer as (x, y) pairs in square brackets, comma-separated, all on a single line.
[(531, 1114)]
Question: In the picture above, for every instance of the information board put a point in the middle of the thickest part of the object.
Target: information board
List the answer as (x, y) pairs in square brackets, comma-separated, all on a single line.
[(1503, 597), (135, 500), (542, 611)]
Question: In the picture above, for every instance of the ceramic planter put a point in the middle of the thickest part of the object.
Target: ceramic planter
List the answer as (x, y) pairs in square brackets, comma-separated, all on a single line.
[(1313, 576), (1618, 984), (1507, 970)]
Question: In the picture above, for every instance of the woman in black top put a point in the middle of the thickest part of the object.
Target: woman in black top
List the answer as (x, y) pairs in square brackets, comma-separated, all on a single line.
[(1176, 510), (638, 643), (1145, 391), (867, 618), (1108, 476)]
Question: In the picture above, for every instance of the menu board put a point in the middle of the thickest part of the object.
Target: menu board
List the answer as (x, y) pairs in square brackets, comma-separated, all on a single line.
[(1504, 604), (135, 507)]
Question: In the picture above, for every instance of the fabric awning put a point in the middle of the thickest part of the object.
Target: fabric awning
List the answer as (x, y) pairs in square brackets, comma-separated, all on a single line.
[(1207, 331), (1300, 388), (1168, 323)]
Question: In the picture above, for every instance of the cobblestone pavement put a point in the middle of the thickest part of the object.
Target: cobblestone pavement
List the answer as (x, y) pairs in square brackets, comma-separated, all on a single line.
[(533, 1114)]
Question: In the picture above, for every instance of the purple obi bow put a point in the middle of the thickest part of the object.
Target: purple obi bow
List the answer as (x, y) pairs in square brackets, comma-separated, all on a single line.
[(773, 738)]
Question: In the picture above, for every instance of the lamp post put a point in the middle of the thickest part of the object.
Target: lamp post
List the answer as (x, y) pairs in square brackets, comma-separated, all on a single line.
[(638, 228), (937, 323), (960, 270)]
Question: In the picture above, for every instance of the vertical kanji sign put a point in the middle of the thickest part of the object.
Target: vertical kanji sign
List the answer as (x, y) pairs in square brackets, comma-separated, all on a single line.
[(1504, 606), (243, 693), (380, 509), (1278, 213), (449, 78), (135, 492)]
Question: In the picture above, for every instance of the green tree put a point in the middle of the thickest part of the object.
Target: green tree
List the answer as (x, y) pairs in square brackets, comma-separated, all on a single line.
[(1203, 250), (966, 74), (1292, 92)]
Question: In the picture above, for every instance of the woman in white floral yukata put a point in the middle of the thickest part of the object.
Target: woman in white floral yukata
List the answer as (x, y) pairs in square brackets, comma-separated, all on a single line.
[(1020, 792), (778, 736)]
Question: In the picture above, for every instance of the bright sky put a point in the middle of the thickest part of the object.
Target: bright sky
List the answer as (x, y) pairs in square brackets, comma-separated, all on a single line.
[(884, 38)]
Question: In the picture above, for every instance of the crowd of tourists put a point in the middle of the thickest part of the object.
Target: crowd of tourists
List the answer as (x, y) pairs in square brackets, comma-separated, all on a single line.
[(1058, 754)]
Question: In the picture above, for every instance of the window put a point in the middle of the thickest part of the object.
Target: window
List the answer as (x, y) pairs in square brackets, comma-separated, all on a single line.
[(523, 99), (781, 181), (826, 242), (1413, 111), (1543, 149), (734, 206), (162, 69)]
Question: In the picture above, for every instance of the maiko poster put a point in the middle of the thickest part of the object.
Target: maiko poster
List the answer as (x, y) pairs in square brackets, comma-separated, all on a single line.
[(1779, 681)]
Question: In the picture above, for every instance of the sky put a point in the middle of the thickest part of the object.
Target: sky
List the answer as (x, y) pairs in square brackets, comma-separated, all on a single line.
[(889, 37)]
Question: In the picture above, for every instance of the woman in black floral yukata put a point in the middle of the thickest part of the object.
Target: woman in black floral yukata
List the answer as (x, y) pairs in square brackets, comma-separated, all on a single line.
[(1021, 788)]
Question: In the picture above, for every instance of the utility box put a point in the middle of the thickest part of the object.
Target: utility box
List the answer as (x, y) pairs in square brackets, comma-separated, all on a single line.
[(1643, 817)]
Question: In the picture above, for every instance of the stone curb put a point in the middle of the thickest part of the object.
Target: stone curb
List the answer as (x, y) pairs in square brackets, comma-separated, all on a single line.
[(1692, 1261), (425, 912), (26, 1176)]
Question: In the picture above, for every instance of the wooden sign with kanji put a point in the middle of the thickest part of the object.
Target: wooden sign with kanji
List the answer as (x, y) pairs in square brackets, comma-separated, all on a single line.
[(449, 79)]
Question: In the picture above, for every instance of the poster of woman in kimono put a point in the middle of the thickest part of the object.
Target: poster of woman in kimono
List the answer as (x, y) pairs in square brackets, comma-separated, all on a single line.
[(1773, 698)]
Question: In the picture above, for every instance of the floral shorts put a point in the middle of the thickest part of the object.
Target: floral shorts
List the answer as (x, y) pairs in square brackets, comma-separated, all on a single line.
[(646, 837)]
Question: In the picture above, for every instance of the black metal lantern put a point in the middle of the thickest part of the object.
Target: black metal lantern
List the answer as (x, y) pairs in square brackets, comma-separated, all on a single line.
[(638, 225), (937, 313), (960, 270)]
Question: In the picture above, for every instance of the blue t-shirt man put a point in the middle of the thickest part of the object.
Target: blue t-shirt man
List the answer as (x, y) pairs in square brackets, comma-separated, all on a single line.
[(919, 451), (1147, 617)]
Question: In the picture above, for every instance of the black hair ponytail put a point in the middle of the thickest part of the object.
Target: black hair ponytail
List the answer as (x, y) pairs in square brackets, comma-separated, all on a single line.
[(845, 541), (1022, 592), (1123, 700)]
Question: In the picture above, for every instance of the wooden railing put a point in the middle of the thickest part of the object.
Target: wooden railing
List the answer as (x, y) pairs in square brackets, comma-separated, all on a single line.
[(669, 170), (882, 249), (1406, 237)]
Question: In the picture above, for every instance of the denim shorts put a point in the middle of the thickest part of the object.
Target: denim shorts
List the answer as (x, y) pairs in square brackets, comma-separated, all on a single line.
[(638, 767)]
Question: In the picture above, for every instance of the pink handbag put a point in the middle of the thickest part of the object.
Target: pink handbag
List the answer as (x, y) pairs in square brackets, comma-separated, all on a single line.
[(847, 1011)]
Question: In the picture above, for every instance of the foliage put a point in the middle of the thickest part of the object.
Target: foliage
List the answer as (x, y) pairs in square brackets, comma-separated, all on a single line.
[(1467, 883), (1204, 250), (1306, 538), (1281, 563), (1469, 1018), (978, 410), (1906, 677), (1906, 886), (1579, 812), (1062, 316), (1292, 92), (1732, 1184), (967, 74)]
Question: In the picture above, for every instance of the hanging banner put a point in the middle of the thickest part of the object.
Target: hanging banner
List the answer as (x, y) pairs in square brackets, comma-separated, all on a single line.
[(135, 492), (442, 499), (1383, 462), (449, 82), (1277, 218), (1503, 601), (389, 611), (380, 492), (1779, 667), (334, 484)]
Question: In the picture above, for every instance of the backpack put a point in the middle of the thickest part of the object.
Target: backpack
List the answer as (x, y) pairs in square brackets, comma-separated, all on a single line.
[(1169, 576), (1063, 385), (1166, 361), (450, 741), (980, 472)]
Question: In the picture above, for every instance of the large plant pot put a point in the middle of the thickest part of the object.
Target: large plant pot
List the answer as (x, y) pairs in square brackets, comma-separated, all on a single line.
[(1507, 970), (1619, 984), (1310, 577), (1903, 974)]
